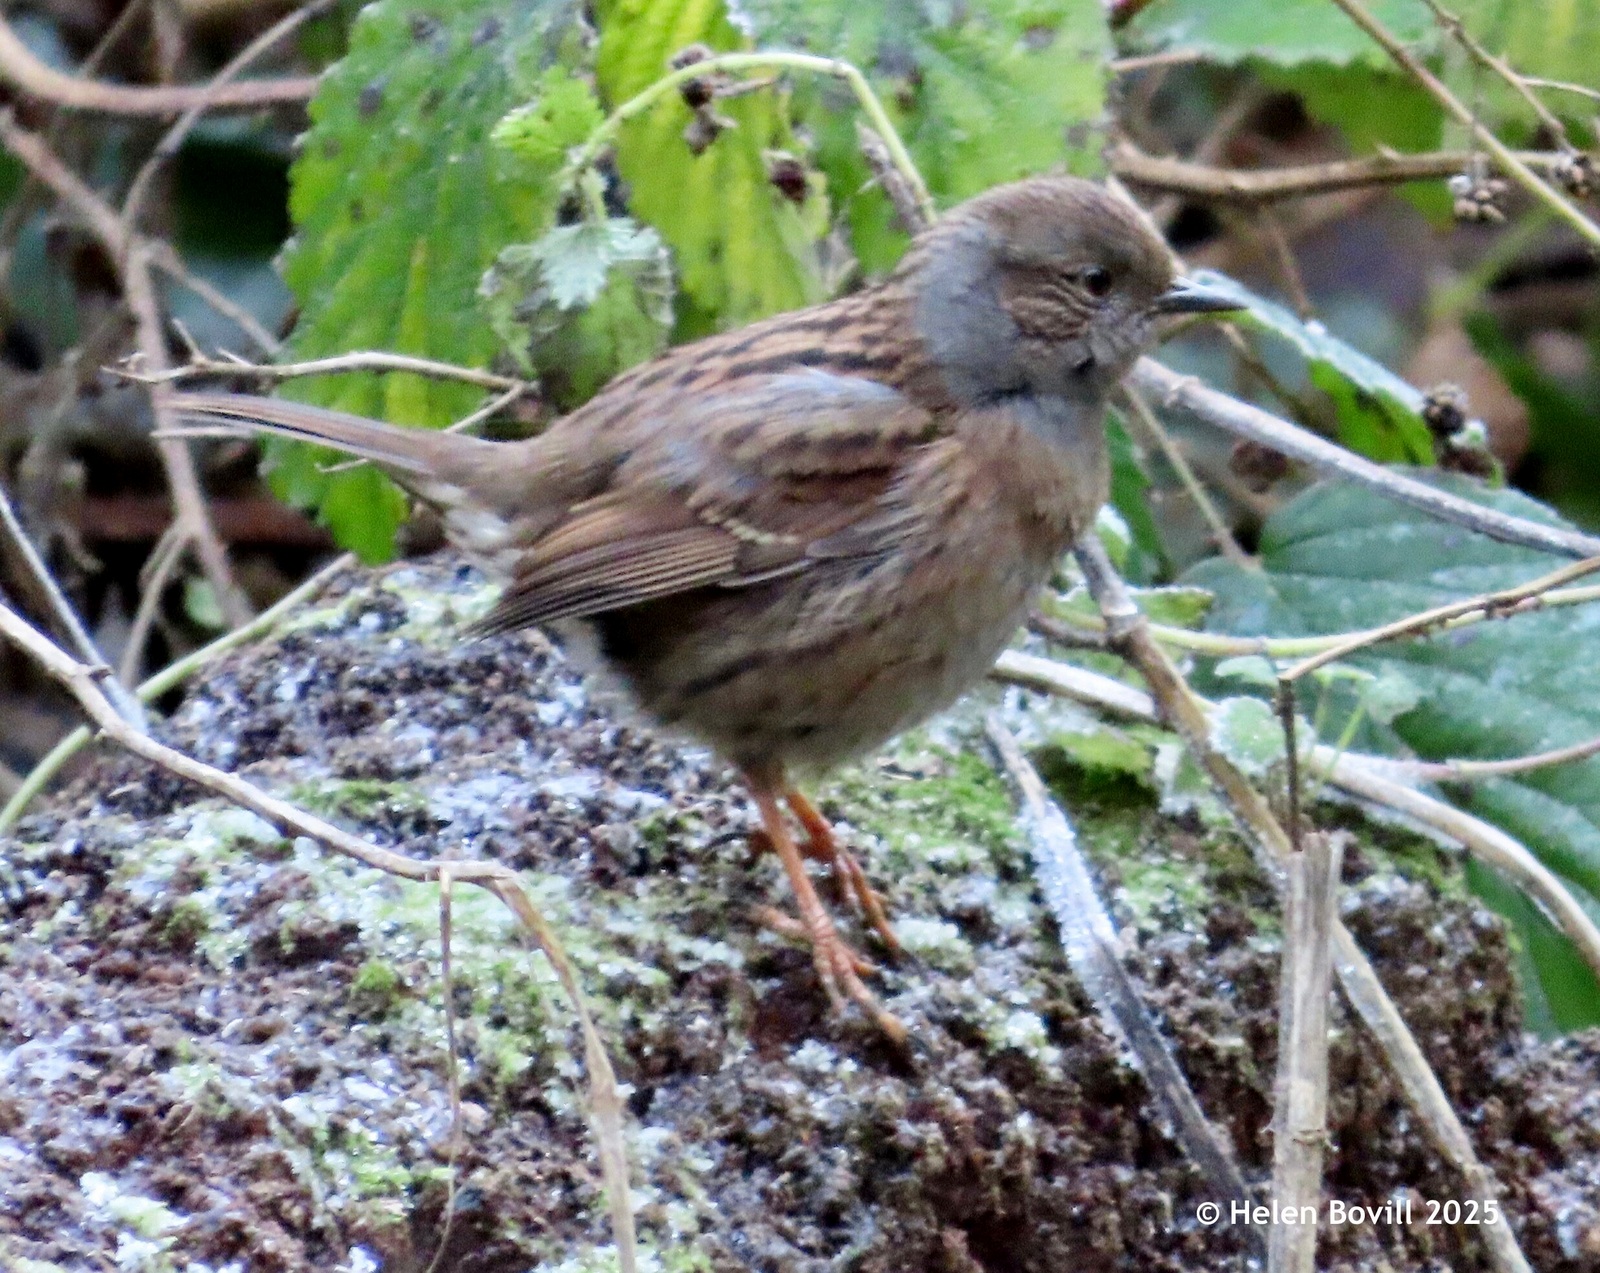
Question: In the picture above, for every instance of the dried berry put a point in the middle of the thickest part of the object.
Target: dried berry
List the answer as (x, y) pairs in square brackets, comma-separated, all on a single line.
[(1477, 195), (1444, 409), (1258, 466), (788, 174), (1574, 172), (705, 128)]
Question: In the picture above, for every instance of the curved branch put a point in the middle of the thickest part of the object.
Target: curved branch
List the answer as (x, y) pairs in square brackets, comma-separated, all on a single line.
[(26, 73), (1267, 185)]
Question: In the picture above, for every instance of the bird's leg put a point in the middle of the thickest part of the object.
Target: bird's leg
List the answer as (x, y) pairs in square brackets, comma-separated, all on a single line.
[(835, 961), (823, 846)]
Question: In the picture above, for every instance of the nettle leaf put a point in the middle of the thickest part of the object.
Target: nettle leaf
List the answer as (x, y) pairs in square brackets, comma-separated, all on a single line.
[(1340, 558), (1379, 414), (562, 114), (400, 202), (982, 93), (743, 250), (582, 303)]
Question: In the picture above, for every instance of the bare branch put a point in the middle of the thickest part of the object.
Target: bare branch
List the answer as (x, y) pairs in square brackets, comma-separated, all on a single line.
[(168, 678), (1482, 770), (1508, 161), (1091, 943), (167, 260), (1451, 23), (1241, 419), (1300, 1103), (21, 69), (1506, 601), (1268, 185), (128, 707), (132, 259), (1186, 712), (1148, 428), (202, 368), (605, 1101), (207, 99), (1369, 777)]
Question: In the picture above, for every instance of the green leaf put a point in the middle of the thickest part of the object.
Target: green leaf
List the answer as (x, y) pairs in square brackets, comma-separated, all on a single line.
[(1375, 108), (562, 114), (1340, 558), (400, 203), (1248, 733), (1560, 39), (982, 92), (1130, 487), (1379, 414), (582, 303), (743, 250), (1284, 31)]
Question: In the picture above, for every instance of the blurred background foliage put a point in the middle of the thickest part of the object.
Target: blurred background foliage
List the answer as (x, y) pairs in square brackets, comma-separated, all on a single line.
[(430, 208)]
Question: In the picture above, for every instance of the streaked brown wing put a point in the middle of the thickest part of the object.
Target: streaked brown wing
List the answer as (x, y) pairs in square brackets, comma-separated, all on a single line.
[(729, 489)]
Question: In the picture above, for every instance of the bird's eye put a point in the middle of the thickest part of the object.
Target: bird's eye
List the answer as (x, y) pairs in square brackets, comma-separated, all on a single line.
[(1096, 280)]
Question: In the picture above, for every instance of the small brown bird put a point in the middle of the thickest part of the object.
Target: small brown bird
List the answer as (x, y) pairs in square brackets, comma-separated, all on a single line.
[(797, 539)]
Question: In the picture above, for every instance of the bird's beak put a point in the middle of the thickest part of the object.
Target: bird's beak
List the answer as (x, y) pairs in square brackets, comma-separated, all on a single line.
[(1185, 296)]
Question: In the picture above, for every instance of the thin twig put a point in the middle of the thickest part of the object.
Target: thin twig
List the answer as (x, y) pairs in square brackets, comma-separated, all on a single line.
[(1505, 601), (191, 512), (21, 69), (1186, 713), (174, 137), (168, 678), (1149, 427), (1371, 778), (1452, 24), (168, 261), (1368, 777), (1145, 61), (1241, 419), (62, 612), (1507, 160), (902, 195), (1483, 770), (1300, 1104), (20, 204), (1562, 86), (132, 260), (366, 360), (496, 404), (1091, 943), (605, 1102), (158, 567), (1222, 646), (1288, 267), (1267, 185)]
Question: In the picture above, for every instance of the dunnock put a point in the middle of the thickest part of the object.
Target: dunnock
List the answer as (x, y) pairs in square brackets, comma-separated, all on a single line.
[(800, 538)]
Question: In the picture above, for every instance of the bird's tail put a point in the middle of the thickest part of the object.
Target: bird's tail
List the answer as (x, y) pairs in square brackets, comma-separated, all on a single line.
[(418, 453)]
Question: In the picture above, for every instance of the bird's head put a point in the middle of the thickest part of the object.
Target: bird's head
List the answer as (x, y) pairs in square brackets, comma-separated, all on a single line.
[(1049, 286)]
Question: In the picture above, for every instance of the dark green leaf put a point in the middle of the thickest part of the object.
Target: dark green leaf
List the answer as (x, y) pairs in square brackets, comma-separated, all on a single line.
[(982, 92), (1379, 414), (1341, 558), (400, 203), (1284, 31), (743, 251)]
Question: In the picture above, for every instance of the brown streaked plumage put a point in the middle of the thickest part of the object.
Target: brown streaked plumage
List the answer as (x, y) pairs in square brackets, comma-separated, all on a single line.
[(799, 538)]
